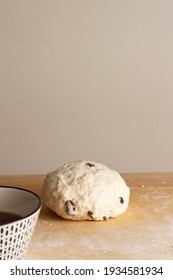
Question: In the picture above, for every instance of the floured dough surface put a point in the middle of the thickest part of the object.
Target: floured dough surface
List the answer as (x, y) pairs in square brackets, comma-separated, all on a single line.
[(86, 190)]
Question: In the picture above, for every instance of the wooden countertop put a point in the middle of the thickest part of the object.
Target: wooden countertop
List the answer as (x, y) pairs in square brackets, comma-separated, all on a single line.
[(145, 231)]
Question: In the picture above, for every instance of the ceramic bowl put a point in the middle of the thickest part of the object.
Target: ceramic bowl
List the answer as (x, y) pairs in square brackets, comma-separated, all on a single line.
[(19, 211)]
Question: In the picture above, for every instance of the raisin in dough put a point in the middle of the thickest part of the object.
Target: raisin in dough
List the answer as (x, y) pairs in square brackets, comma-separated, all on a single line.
[(86, 190)]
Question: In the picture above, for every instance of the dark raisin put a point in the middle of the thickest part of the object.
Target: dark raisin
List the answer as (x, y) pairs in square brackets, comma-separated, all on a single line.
[(121, 200), (70, 207), (89, 164), (91, 214)]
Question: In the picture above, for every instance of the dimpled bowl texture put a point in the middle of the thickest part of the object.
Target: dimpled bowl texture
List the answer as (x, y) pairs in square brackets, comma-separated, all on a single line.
[(15, 236)]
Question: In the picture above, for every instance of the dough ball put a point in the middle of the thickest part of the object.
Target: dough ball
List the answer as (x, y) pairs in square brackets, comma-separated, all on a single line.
[(86, 190)]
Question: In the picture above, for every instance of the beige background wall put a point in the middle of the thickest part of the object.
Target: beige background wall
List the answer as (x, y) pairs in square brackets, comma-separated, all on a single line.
[(86, 79)]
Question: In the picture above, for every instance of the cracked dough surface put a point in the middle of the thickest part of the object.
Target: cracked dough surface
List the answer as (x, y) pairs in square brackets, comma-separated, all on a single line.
[(85, 190)]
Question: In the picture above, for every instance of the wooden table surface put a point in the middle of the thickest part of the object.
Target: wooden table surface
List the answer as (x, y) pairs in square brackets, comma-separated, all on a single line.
[(144, 231)]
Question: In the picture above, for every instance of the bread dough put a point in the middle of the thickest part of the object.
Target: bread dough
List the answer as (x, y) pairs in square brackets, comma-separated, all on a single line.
[(86, 190)]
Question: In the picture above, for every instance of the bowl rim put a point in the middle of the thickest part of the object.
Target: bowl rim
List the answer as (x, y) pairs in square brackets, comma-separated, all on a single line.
[(31, 213)]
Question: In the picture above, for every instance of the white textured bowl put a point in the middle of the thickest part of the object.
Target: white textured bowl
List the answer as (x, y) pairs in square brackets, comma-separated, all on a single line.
[(15, 236)]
